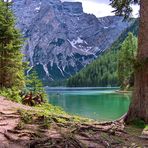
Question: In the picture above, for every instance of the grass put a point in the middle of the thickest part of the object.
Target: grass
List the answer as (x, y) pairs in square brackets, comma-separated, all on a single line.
[(138, 123), (47, 114), (146, 128), (11, 94), (132, 130)]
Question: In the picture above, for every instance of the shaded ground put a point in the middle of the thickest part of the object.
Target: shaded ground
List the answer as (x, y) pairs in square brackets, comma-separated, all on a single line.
[(14, 133)]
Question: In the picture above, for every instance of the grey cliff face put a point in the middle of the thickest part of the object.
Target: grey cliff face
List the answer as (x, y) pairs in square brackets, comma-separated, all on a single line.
[(60, 38)]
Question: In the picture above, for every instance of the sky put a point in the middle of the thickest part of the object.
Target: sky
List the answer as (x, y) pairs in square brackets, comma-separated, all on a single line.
[(100, 8)]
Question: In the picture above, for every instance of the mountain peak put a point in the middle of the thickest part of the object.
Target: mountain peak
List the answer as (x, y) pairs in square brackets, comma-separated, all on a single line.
[(72, 7)]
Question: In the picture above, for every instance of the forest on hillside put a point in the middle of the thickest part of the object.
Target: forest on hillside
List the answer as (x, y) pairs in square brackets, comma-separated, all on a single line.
[(112, 68)]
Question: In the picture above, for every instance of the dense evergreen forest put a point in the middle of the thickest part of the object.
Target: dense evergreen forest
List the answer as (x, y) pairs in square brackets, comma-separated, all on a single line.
[(107, 69), (101, 72)]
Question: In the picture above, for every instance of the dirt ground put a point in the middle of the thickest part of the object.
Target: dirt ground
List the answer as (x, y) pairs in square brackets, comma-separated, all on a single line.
[(97, 135)]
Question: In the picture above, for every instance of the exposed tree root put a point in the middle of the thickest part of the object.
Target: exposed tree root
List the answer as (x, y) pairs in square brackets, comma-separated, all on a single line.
[(3, 124), (67, 134)]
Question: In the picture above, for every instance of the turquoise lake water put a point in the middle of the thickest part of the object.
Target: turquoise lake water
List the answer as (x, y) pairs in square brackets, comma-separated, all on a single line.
[(102, 104)]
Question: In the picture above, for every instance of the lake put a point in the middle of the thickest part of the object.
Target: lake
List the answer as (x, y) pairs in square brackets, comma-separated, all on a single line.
[(101, 104)]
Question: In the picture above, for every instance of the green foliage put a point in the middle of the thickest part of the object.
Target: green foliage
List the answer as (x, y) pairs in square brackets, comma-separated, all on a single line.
[(134, 29), (12, 94), (34, 93), (33, 83), (101, 72), (57, 114), (46, 114), (138, 123), (57, 83), (146, 127), (20, 125), (11, 66), (48, 109), (127, 56), (26, 117), (123, 7)]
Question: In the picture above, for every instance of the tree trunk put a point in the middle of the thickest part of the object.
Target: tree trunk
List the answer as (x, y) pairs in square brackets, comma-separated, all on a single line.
[(139, 105)]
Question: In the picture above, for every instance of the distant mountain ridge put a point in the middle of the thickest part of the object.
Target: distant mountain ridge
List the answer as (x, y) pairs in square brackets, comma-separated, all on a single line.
[(60, 38)]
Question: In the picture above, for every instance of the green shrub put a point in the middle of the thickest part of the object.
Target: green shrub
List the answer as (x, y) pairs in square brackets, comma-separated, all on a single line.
[(26, 116), (138, 123), (12, 94), (146, 127)]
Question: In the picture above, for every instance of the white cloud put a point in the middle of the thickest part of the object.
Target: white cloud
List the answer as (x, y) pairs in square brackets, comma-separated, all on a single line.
[(100, 8)]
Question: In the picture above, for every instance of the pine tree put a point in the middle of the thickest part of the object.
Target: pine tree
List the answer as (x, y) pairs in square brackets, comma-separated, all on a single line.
[(11, 66), (127, 56), (34, 83), (36, 93), (123, 7)]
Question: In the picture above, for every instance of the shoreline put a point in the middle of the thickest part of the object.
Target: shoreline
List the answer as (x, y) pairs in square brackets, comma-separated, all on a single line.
[(24, 126), (122, 91)]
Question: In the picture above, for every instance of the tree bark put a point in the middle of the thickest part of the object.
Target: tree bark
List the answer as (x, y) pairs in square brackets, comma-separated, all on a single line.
[(139, 104)]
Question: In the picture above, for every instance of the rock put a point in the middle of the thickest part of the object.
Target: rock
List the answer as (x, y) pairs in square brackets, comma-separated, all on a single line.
[(75, 7), (60, 38)]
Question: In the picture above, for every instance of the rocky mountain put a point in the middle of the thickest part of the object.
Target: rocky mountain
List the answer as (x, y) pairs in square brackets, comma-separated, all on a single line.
[(60, 38)]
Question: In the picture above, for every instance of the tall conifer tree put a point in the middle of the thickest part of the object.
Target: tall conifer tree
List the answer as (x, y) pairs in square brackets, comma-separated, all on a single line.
[(139, 105), (127, 56), (11, 66)]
